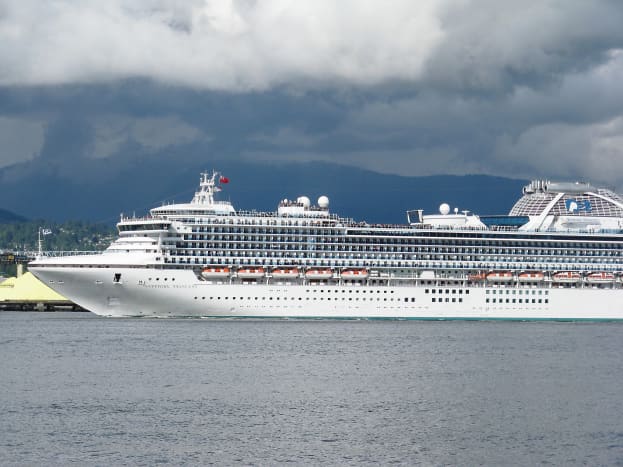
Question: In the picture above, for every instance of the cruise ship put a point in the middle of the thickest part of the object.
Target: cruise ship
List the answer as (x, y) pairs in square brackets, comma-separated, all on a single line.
[(557, 255)]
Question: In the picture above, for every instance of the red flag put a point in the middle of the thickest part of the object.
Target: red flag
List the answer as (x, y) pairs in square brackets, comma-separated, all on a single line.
[(224, 180)]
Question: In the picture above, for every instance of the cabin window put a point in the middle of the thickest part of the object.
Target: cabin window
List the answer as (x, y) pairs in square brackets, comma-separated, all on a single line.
[(117, 278)]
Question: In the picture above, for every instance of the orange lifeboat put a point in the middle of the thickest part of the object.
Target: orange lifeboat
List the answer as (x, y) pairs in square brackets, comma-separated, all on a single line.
[(251, 273), (500, 276), (531, 276), (354, 274), (319, 273), (568, 277), (285, 273), (477, 277), (600, 277), (215, 272)]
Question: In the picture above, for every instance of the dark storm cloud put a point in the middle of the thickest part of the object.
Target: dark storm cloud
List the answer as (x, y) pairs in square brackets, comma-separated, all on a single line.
[(530, 88)]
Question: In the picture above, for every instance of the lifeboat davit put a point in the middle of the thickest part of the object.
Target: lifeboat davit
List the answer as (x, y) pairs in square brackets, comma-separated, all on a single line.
[(250, 273), (568, 277), (215, 272), (354, 274), (600, 277), (531, 276), (285, 273), (321, 273), (500, 276)]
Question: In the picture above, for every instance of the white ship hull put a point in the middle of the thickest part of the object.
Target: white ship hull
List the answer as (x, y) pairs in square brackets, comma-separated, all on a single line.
[(179, 293), (204, 258)]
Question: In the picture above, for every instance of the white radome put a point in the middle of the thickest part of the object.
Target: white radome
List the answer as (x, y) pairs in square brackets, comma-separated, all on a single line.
[(304, 200), (323, 202), (444, 209)]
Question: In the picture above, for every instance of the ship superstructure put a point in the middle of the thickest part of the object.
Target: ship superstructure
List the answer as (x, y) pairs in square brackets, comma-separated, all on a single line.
[(558, 254)]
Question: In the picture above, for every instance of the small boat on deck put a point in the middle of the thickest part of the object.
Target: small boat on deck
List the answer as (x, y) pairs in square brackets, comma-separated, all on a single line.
[(215, 272), (566, 277), (354, 274), (531, 276), (319, 273), (500, 276), (601, 277), (285, 273), (251, 273)]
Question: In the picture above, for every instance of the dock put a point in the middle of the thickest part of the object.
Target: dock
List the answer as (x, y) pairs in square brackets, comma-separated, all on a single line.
[(27, 293)]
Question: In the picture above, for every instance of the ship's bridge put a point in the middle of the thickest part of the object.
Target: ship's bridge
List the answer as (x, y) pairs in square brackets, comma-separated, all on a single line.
[(203, 203)]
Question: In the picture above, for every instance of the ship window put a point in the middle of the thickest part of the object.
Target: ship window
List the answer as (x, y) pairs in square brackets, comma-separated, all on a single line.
[(453, 299), (117, 277), (460, 300), (433, 299)]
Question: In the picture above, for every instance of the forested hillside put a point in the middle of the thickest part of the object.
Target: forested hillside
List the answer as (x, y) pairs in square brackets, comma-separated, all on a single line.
[(71, 235)]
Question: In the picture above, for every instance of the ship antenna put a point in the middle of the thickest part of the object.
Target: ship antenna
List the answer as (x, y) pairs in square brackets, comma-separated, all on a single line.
[(207, 188), (40, 243)]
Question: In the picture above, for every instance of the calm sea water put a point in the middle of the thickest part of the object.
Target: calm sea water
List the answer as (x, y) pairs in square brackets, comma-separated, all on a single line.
[(79, 389)]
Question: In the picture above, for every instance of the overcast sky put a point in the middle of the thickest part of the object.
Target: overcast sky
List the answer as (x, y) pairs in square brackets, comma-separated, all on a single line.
[(514, 88)]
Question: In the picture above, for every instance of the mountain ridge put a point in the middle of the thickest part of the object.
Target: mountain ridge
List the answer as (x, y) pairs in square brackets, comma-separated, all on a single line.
[(7, 217), (123, 187)]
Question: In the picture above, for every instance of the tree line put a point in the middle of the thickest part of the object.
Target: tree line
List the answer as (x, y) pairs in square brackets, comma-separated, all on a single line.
[(68, 236)]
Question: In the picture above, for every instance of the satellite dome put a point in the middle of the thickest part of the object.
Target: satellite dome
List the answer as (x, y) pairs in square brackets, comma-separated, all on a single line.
[(323, 202), (304, 200), (444, 208)]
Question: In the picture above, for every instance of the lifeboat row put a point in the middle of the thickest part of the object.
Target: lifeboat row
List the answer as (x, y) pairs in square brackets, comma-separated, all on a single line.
[(569, 277), (215, 272)]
